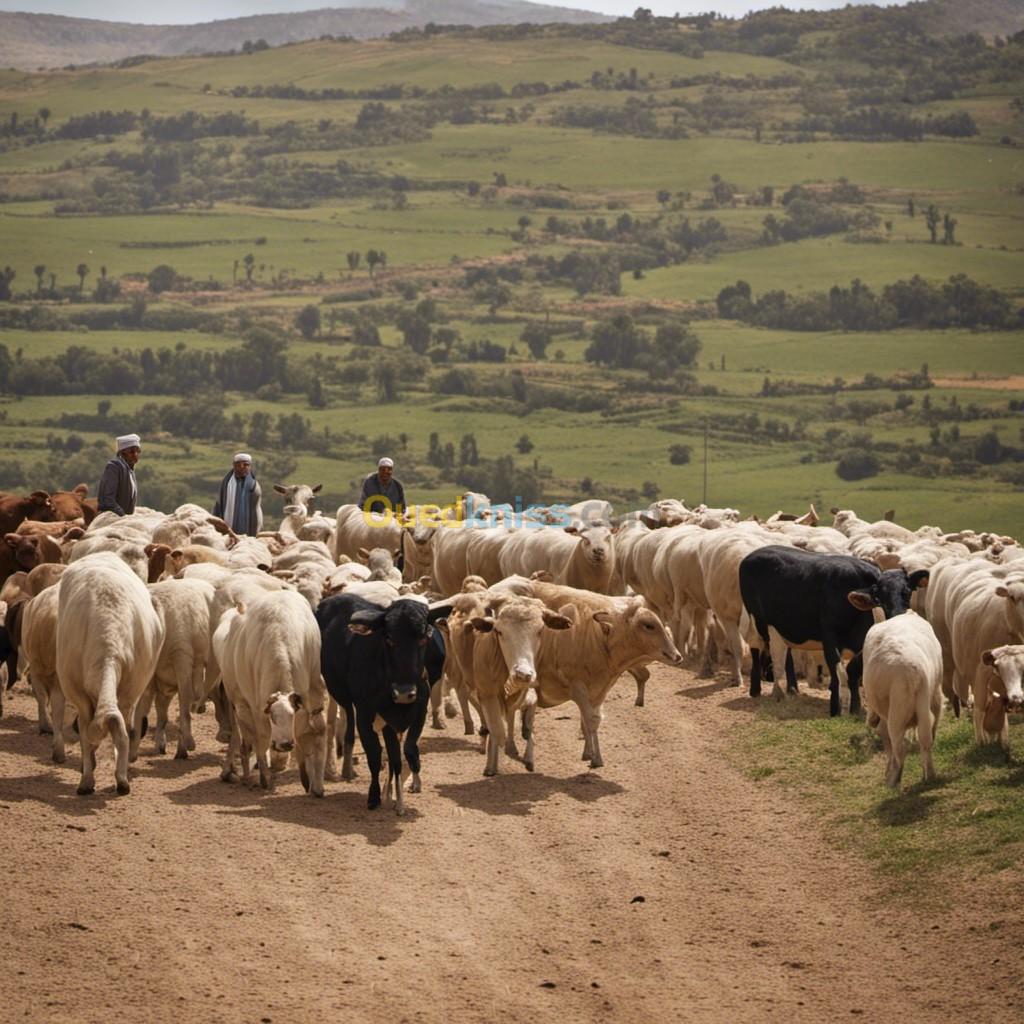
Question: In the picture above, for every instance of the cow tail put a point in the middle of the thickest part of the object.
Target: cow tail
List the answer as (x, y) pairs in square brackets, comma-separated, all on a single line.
[(107, 717)]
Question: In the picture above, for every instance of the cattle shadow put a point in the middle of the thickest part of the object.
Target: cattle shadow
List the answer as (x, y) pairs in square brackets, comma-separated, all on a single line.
[(910, 806), (59, 793), (708, 688), (439, 743), (517, 794), (342, 811), (167, 766)]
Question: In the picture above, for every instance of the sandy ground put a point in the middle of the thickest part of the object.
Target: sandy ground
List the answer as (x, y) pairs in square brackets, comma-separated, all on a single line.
[(663, 887)]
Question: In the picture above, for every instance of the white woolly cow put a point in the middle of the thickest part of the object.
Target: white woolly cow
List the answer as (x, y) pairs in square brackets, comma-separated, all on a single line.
[(109, 635), (272, 646), (903, 688)]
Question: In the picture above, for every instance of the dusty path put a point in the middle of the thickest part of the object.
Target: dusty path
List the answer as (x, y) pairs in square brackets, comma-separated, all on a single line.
[(509, 898)]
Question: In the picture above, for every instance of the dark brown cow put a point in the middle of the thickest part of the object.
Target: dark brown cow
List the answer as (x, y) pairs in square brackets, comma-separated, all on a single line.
[(21, 553), (72, 504), (15, 510)]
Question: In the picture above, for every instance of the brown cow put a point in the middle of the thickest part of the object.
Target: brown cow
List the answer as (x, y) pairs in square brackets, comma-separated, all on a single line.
[(72, 505), (14, 510), (19, 552)]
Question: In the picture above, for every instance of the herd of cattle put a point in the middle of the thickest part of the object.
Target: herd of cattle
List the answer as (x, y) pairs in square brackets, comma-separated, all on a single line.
[(109, 616)]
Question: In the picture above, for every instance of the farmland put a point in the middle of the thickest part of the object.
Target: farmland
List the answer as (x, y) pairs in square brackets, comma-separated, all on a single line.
[(456, 160)]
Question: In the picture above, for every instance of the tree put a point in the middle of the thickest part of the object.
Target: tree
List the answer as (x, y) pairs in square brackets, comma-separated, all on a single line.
[(650, 490), (415, 332), (44, 115), (911, 209), (249, 261), (932, 219), (353, 259), (163, 278), (524, 445), (386, 378), (857, 464), (6, 277), (663, 196), (81, 270), (616, 342), (316, 394), (39, 270), (372, 259), (679, 454), (949, 230), (365, 333), (308, 322), (537, 337), (468, 454)]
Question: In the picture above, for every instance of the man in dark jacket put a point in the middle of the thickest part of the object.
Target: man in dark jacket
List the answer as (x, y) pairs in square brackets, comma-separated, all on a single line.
[(382, 484), (118, 491), (239, 501)]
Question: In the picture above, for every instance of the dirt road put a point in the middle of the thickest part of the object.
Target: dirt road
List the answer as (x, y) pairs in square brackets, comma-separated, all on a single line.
[(664, 887)]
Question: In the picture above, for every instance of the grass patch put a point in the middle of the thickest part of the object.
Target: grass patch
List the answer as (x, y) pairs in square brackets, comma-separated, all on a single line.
[(968, 821)]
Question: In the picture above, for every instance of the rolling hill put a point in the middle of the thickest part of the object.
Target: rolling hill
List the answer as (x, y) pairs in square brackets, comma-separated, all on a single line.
[(31, 41)]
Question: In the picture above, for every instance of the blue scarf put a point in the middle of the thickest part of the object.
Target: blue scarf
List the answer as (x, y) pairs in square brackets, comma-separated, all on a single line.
[(243, 497)]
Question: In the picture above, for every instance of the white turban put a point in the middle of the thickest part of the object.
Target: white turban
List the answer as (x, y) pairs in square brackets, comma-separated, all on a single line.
[(386, 462), (128, 441), (242, 457)]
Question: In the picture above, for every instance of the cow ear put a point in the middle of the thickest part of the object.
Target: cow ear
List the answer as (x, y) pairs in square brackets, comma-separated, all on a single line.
[(280, 489), (81, 490), (366, 622), (861, 600), (1000, 591), (919, 580), (988, 657), (397, 553), (572, 529), (295, 699), (363, 554), (271, 701), (555, 621), (359, 628), (604, 620), (316, 490), (441, 610), (12, 539), (39, 497), (482, 623)]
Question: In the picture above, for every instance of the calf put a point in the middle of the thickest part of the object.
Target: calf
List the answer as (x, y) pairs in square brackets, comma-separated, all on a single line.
[(373, 661), (903, 688), (818, 602), (1005, 689)]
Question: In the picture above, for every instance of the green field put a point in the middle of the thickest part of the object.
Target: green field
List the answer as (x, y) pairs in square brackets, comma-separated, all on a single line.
[(448, 196)]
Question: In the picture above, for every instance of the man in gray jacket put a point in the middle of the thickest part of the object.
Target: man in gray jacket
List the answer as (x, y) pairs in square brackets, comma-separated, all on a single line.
[(118, 491), (239, 501), (382, 484)]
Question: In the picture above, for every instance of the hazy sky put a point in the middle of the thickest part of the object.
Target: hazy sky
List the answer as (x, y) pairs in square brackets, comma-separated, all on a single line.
[(191, 11)]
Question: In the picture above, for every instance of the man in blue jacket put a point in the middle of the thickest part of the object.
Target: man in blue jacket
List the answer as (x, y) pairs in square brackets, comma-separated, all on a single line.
[(118, 491), (382, 484)]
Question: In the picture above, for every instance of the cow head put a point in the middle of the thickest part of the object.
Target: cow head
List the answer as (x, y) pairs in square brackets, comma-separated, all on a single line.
[(299, 494), (1013, 590), (596, 542), (41, 507), (280, 709), (1007, 664), (643, 631), (891, 592), (518, 624), (25, 550), (405, 628)]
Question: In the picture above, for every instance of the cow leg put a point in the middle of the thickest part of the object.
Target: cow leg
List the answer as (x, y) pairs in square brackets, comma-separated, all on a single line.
[(371, 747), (330, 760), (590, 720), (57, 704), (495, 722), (138, 720), (393, 744), (465, 703), (436, 721), (835, 706), (411, 749), (510, 733), (87, 784), (854, 672), (222, 709), (734, 642), (641, 675), (228, 773), (780, 652), (529, 715), (163, 703), (42, 701), (791, 686), (348, 772), (755, 671), (451, 707)]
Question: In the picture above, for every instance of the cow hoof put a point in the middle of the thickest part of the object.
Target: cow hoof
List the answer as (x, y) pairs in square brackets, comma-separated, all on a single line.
[(123, 788), (223, 735), (228, 776), (528, 765), (348, 776), (84, 790), (469, 730), (639, 702), (59, 757), (438, 723), (318, 792), (373, 803), (45, 730), (488, 772), (161, 748), (415, 785), (597, 764), (191, 745), (180, 754)]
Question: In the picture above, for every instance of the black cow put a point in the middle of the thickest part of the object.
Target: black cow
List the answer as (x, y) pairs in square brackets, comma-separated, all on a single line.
[(810, 598), (373, 662)]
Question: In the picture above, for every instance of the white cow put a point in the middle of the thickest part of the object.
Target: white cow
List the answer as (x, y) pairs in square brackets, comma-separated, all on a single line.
[(109, 635), (903, 688)]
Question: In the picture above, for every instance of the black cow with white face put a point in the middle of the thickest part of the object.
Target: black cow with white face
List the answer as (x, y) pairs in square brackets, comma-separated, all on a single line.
[(373, 662), (800, 599)]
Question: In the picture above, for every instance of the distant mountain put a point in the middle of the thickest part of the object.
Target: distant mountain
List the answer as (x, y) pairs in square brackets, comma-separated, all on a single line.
[(989, 17), (30, 41)]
